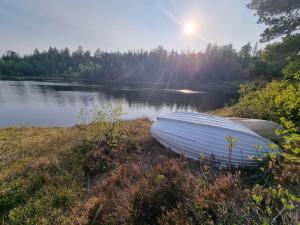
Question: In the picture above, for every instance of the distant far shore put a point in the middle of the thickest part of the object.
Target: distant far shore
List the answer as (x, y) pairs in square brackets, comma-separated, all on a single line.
[(163, 85)]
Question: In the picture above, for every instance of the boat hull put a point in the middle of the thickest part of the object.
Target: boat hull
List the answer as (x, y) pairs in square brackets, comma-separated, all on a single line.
[(204, 136)]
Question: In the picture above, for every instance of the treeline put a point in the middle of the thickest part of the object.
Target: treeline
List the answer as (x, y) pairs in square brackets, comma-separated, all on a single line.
[(215, 64)]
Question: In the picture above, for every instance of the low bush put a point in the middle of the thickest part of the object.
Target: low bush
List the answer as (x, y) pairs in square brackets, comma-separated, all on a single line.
[(279, 199), (277, 101), (104, 125)]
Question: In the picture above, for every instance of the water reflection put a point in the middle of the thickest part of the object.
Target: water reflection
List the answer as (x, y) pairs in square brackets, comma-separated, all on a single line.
[(58, 103)]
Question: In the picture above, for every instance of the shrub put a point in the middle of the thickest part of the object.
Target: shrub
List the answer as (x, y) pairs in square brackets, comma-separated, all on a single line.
[(105, 126), (277, 101), (292, 70), (249, 87), (275, 205)]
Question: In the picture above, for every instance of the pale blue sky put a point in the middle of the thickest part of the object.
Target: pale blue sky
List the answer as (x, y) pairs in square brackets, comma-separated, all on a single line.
[(124, 24)]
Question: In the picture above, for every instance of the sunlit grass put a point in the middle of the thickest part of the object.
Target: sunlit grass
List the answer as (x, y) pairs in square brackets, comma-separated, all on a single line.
[(55, 176), (28, 147)]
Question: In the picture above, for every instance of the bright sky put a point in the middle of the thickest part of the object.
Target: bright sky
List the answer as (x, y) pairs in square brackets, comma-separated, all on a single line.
[(125, 24)]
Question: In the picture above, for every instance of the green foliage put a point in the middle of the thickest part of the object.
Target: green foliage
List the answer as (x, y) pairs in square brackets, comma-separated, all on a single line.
[(40, 186), (277, 204), (288, 106), (249, 87), (283, 51), (105, 124), (231, 143), (12, 194), (89, 69), (292, 70), (23, 205), (63, 197), (292, 146), (280, 17), (37, 211), (217, 63), (278, 101), (25, 215), (245, 54)]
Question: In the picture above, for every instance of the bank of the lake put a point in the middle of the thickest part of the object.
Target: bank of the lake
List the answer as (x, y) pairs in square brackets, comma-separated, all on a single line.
[(56, 176)]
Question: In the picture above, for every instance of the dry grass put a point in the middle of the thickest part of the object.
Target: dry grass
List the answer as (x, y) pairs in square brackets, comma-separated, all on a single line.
[(225, 112), (54, 176), (28, 148)]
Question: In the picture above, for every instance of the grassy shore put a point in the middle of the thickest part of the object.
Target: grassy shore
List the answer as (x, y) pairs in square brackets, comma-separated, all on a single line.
[(56, 176)]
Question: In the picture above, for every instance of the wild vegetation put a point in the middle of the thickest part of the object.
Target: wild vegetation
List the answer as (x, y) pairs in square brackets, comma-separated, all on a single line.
[(64, 176)]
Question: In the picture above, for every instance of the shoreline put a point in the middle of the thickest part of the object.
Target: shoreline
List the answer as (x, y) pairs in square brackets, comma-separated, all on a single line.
[(196, 87), (224, 112)]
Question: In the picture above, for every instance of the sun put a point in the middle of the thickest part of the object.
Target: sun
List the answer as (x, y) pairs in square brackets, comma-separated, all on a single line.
[(189, 28)]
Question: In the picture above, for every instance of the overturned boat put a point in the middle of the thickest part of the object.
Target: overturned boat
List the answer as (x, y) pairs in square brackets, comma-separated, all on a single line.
[(199, 135)]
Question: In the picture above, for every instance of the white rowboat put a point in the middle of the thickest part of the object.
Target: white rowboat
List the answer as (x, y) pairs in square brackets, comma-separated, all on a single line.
[(199, 135)]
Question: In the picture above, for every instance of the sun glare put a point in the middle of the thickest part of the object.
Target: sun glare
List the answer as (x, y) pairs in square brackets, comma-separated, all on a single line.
[(189, 28)]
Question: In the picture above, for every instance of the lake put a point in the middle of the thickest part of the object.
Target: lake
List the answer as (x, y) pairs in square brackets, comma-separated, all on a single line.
[(57, 103)]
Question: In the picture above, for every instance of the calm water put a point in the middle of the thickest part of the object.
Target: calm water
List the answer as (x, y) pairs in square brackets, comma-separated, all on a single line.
[(58, 103)]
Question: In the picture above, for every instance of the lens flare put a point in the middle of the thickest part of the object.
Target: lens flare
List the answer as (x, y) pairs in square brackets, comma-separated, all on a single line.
[(189, 28)]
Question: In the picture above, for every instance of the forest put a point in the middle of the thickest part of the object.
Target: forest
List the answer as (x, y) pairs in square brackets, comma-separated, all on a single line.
[(215, 64)]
